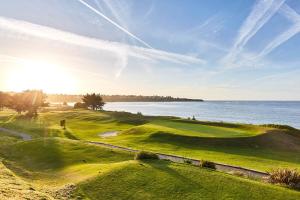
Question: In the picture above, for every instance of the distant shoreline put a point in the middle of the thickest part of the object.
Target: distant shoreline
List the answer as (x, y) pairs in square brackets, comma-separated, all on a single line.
[(120, 98)]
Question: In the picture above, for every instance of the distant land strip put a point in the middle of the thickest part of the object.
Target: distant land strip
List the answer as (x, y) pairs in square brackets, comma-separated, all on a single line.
[(119, 98)]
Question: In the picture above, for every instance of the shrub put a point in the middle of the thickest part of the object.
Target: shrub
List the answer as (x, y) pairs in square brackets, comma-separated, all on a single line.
[(79, 105), (142, 155), (187, 161), (284, 176), (207, 164), (279, 126), (139, 114)]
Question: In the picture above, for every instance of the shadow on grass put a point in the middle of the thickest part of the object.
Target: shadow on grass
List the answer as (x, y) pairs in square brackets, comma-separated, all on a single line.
[(271, 145), (69, 135), (34, 156)]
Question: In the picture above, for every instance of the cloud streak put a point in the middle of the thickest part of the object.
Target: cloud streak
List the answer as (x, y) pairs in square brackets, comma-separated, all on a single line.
[(260, 14), (286, 35), (117, 48), (115, 24)]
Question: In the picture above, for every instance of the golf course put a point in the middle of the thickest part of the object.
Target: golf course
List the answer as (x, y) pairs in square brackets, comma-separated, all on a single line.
[(58, 163)]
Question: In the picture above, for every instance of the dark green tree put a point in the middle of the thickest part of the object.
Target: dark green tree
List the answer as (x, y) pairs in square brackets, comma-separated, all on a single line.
[(93, 101), (80, 105)]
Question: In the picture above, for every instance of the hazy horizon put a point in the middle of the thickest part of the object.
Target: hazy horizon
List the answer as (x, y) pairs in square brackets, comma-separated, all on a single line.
[(211, 50)]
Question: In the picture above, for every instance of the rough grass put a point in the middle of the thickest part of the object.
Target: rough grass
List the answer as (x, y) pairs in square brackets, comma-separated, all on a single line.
[(287, 177), (12, 187)]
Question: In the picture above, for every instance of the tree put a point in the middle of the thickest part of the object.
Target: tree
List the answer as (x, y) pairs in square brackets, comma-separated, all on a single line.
[(29, 100), (17, 103), (80, 105), (4, 100), (93, 101)]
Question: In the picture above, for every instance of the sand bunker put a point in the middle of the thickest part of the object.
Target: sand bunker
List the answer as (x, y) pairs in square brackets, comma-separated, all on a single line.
[(108, 134)]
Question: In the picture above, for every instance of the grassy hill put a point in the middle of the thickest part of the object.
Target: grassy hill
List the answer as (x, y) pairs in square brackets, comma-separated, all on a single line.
[(64, 168), (249, 146)]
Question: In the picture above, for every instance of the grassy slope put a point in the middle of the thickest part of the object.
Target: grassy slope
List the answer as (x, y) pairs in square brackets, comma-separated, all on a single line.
[(273, 149), (50, 164), (163, 180), (54, 161), (235, 144), (12, 187)]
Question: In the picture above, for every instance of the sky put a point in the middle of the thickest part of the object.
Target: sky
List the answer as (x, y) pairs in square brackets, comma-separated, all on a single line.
[(209, 49)]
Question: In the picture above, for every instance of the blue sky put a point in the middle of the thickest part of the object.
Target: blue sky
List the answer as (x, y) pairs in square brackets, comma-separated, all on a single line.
[(211, 49)]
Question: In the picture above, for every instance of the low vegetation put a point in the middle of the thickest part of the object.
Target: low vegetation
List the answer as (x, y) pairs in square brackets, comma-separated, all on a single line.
[(285, 176), (207, 164), (144, 155)]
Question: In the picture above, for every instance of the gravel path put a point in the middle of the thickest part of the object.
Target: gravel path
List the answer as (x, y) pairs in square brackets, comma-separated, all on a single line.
[(24, 136), (180, 159)]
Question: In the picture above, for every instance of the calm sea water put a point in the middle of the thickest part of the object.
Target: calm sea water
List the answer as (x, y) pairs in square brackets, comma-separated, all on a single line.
[(254, 112)]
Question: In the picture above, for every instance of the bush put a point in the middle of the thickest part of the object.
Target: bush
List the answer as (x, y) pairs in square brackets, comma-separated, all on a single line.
[(287, 177), (79, 105), (279, 126), (139, 114), (207, 164), (142, 155), (186, 161)]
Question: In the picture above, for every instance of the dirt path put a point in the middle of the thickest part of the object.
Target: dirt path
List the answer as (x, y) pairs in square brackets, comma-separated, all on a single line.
[(180, 159), (24, 136)]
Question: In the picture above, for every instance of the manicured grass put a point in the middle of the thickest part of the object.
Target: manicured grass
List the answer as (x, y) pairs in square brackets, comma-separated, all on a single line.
[(261, 152), (7, 139), (51, 164), (164, 180), (201, 130), (249, 146)]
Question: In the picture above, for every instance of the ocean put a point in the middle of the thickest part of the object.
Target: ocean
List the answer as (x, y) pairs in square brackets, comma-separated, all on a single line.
[(252, 112)]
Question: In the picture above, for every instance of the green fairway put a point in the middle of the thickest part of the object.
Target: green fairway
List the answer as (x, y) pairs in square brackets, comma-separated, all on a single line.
[(249, 146), (51, 165)]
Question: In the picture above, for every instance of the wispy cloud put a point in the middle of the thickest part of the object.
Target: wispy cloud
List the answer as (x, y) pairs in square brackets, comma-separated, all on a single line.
[(75, 39), (114, 23), (260, 14), (290, 14), (118, 11)]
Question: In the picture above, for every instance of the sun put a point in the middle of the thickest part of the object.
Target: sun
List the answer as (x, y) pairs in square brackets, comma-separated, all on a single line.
[(43, 75)]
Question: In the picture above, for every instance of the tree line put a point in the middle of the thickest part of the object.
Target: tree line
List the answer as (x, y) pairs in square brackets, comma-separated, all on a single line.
[(119, 98), (28, 101)]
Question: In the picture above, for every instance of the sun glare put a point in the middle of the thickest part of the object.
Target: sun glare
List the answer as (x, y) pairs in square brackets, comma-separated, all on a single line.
[(49, 77)]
